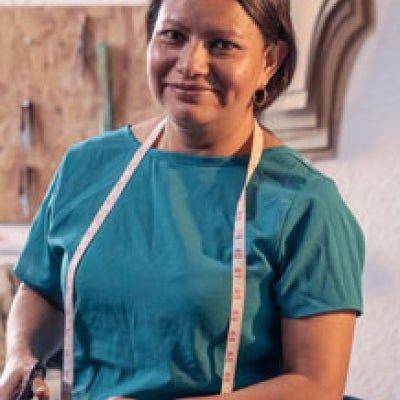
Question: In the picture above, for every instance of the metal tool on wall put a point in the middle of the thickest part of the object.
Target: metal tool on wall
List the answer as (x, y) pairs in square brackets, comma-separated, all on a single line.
[(26, 120), (25, 189), (104, 80), (82, 48), (25, 172)]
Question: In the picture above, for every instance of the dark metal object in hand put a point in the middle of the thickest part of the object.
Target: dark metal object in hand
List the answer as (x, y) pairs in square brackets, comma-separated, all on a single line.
[(37, 370)]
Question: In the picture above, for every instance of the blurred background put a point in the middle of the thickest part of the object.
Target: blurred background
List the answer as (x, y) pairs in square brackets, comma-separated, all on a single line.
[(68, 71), (367, 171)]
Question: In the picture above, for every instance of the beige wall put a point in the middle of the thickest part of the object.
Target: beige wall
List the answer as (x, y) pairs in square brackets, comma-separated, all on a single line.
[(40, 60)]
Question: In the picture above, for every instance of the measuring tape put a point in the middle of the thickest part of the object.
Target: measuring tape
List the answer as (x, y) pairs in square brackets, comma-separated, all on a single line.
[(238, 264)]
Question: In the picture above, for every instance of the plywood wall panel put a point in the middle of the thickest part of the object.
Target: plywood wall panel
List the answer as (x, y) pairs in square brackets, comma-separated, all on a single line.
[(40, 60)]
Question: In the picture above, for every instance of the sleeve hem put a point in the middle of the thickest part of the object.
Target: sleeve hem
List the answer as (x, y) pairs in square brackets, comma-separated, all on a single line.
[(50, 296), (303, 313)]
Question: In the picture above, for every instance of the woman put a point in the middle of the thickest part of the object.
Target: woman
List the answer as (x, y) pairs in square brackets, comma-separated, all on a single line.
[(153, 288)]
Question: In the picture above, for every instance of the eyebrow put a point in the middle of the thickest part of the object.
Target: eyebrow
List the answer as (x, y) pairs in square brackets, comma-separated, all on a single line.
[(212, 32), (226, 32), (174, 22)]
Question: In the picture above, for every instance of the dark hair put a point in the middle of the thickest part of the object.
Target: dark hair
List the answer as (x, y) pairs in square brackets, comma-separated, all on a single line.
[(273, 19)]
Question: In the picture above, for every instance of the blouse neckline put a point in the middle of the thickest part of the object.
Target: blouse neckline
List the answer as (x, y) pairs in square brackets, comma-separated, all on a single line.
[(201, 159)]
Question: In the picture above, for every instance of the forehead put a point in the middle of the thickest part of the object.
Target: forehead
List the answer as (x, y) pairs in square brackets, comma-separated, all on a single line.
[(207, 14)]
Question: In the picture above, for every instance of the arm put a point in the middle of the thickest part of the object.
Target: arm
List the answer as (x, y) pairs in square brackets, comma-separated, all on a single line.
[(34, 332), (316, 353), (318, 348)]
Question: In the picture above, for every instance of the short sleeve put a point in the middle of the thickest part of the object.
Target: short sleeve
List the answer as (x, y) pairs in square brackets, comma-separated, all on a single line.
[(39, 266), (321, 254)]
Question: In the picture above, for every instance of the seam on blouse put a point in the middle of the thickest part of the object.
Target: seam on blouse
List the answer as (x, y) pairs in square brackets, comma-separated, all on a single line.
[(318, 178), (309, 167), (52, 200), (279, 243)]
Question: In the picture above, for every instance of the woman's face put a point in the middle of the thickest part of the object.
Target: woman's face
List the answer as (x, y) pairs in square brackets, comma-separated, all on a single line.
[(206, 59)]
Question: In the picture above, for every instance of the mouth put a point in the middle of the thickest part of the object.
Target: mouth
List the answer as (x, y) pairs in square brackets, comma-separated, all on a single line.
[(189, 88)]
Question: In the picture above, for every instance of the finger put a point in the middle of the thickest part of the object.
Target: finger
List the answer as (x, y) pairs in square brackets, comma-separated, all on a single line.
[(40, 389)]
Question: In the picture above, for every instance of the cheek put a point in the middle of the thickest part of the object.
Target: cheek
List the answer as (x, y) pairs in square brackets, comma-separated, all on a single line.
[(242, 80), (158, 67), (152, 67)]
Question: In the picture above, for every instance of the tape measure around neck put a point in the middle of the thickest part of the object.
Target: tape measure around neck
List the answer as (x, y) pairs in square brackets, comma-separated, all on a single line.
[(239, 270), (106, 207), (238, 264)]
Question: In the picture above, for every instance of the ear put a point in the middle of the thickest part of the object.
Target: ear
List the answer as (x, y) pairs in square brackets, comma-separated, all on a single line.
[(274, 55)]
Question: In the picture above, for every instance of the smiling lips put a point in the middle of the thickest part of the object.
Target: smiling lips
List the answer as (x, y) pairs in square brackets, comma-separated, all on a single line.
[(189, 88)]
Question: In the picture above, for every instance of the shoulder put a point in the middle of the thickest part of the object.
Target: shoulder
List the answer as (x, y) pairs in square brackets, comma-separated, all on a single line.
[(304, 193), (289, 171), (125, 139), (92, 165), (312, 199), (106, 140), (101, 151)]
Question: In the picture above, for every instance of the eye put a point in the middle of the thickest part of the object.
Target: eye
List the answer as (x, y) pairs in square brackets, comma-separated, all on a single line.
[(171, 36), (224, 45)]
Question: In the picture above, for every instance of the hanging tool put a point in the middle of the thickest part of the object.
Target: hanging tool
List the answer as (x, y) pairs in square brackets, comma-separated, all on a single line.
[(24, 189), (82, 43), (26, 119), (104, 79)]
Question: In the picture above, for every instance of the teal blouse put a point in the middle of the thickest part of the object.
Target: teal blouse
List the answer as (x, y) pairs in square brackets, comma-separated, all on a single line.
[(152, 292)]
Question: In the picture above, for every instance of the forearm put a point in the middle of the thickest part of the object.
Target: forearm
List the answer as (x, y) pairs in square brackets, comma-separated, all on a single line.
[(287, 386), (283, 387), (34, 327)]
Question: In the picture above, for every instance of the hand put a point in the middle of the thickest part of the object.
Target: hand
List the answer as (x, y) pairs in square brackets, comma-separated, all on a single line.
[(15, 373), (40, 389), (119, 398)]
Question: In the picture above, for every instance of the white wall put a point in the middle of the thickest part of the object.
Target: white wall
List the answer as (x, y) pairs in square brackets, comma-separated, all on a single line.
[(367, 171)]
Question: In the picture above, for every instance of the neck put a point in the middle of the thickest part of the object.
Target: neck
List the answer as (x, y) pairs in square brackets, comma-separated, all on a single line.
[(217, 139)]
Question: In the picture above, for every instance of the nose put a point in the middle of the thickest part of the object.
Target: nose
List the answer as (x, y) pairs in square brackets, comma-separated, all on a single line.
[(193, 59)]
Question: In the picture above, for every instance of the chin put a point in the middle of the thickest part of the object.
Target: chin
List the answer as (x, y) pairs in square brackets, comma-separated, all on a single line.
[(190, 116), (191, 110)]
